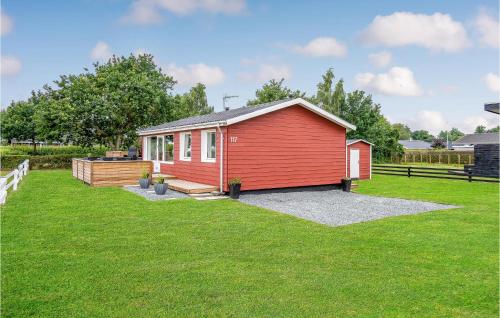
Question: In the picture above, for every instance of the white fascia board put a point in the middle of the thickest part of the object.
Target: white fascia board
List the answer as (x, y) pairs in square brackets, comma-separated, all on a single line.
[(180, 128), (296, 101), (358, 140)]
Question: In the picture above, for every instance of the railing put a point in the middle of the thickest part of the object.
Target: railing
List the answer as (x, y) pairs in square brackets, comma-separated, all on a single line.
[(431, 172), (12, 179)]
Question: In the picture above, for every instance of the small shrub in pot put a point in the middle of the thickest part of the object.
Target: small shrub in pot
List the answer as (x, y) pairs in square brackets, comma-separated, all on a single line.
[(160, 186), (346, 184), (144, 180), (234, 188)]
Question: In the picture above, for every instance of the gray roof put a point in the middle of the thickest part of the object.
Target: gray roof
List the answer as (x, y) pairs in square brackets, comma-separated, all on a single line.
[(415, 144), (479, 139), (214, 117), (492, 107)]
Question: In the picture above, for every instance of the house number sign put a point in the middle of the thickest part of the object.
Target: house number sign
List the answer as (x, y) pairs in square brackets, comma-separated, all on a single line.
[(233, 139)]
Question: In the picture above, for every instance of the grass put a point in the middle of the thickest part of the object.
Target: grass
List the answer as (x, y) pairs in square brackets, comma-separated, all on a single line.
[(75, 251)]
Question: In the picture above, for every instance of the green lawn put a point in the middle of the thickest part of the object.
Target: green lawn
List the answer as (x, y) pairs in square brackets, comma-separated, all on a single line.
[(69, 250)]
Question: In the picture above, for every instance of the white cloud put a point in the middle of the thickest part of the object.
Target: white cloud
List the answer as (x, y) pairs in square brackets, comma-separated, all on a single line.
[(195, 73), (470, 123), (493, 82), (267, 72), (101, 51), (430, 120), (322, 47), (6, 23), (148, 11), (381, 59), (10, 65), (438, 32), (488, 28), (398, 81)]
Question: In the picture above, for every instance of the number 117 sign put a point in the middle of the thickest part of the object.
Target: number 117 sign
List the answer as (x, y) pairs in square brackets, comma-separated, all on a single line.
[(233, 139)]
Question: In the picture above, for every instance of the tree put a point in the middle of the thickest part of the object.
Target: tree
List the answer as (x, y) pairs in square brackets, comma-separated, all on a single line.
[(453, 134), (494, 130), (272, 91), (480, 129), (109, 105), (18, 122), (404, 131), (438, 143), (422, 135), (360, 110), (327, 97), (192, 103)]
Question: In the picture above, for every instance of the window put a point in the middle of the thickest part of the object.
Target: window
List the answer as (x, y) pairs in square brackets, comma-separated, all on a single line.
[(160, 148), (169, 148), (152, 148), (185, 153), (208, 142)]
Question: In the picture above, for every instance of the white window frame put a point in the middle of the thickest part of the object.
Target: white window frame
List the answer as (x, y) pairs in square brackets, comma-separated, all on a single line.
[(204, 143), (181, 148)]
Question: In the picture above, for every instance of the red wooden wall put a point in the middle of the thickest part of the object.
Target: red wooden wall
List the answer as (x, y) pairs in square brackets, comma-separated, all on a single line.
[(364, 159), (286, 148)]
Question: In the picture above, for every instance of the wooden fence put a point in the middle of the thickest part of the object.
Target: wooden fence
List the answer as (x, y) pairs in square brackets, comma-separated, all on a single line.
[(435, 157), (428, 172), (12, 179)]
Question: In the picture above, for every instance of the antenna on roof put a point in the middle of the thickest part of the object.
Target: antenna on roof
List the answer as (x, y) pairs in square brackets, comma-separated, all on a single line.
[(226, 97)]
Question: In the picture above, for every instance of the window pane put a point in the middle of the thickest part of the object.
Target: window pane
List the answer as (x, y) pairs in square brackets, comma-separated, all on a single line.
[(211, 145), (152, 148), (169, 148), (160, 148), (187, 146)]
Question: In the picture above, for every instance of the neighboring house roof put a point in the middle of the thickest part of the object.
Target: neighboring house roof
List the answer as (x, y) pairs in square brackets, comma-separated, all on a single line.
[(492, 107), (415, 144), (479, 139), (353, 141), (236, 115)]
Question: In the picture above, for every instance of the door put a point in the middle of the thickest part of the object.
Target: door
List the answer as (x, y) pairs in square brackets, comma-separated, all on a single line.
[(354, 164), (152, 151)]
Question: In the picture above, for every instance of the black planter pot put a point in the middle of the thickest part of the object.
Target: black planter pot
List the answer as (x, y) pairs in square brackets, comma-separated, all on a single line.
[(234, 191), (161, 188), (144, 183), (346, 185)]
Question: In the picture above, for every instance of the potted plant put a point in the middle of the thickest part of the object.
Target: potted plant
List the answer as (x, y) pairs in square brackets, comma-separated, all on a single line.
[(234, 188), (144, 180), (346, 184), (160, 186)]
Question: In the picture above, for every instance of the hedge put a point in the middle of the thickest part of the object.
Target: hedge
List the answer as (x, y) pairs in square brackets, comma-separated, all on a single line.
[(9, 162), (76, 151)]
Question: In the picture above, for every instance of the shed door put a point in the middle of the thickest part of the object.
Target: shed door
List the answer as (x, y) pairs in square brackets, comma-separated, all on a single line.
[(354, 164)]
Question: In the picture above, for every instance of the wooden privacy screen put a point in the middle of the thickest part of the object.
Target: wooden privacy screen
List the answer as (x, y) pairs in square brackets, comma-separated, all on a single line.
[(110, 173)]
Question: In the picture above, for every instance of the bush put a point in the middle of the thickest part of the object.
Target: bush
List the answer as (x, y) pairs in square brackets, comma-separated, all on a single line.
[(63, 161)]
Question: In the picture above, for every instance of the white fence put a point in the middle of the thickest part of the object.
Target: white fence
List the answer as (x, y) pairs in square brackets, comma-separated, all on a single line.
[(15, 177)]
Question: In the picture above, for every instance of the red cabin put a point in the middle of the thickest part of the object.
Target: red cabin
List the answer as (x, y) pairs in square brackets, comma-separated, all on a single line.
[(281, 144)]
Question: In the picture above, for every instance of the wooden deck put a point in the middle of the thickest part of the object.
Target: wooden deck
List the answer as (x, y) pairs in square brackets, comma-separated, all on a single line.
[(190, 187)]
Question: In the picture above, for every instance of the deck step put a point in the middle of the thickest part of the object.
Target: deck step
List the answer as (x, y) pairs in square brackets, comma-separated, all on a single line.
[(190, 187), (165, 176)]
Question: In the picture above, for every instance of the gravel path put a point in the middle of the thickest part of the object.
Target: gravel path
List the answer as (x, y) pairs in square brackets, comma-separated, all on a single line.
[(334, 207), (151, 195)]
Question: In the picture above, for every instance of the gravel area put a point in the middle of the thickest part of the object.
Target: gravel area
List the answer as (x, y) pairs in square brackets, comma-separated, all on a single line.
[(151, 195), (334, 207)]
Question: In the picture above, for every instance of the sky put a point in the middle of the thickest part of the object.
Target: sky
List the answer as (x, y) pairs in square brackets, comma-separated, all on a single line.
[(429, 64)]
